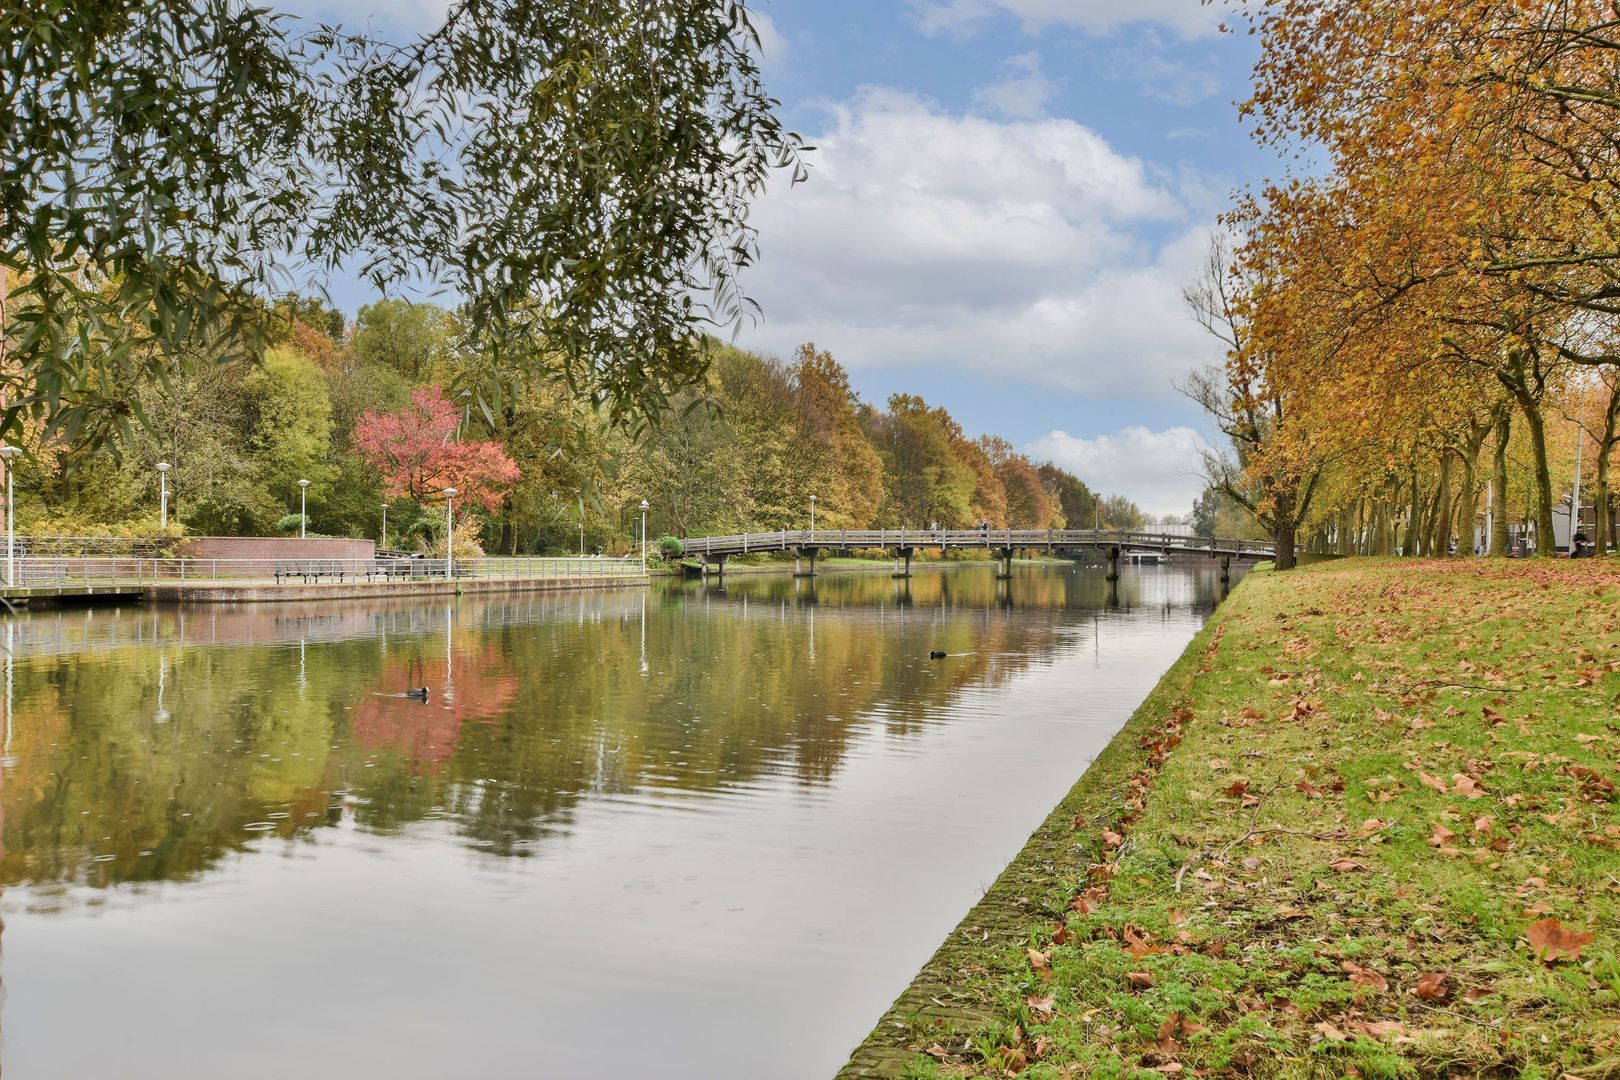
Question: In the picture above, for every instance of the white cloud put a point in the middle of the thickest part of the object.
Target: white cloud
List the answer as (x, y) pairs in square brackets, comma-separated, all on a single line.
[(1159, 470), (406, 17), (1189, 18), (1022, 92), (1000, 249), (771, 40)]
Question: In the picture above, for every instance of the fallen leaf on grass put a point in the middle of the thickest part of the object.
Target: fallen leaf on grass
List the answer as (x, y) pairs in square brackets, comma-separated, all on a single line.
[(1362, 976), (1137, 943), (1346, 866), (1041, 1005), (1432, 986), (1040, 962), (1176, 1026), (1141, 979), (1550, 941)]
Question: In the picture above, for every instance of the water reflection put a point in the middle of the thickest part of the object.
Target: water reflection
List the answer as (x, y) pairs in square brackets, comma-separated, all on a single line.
[(146, 747)]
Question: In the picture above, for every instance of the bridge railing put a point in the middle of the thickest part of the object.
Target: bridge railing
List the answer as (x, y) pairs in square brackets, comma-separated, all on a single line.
[(746, 543)]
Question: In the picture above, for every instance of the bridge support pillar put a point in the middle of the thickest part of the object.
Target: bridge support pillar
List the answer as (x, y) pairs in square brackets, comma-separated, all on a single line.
[(1004, 572), (800, 554), (716, 565), (1113, 564), (904, 569), (1226, 569)]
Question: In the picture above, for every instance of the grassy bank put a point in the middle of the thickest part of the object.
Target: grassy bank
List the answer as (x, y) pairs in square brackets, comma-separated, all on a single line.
[(1364, 827)]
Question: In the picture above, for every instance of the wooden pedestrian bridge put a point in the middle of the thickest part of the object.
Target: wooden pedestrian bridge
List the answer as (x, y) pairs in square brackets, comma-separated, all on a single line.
[(1003, 544)]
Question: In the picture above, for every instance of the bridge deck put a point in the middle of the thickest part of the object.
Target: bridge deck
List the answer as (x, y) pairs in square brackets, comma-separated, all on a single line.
[(986, 539)]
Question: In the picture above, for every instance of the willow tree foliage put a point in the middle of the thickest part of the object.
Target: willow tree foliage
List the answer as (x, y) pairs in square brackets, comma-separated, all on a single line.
[(578, 171)]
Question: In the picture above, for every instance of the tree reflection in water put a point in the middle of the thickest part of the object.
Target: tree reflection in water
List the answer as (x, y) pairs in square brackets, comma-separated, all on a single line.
[(147, 744)]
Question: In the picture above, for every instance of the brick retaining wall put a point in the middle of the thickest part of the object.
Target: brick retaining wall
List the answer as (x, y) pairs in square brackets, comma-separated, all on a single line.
[(275, 547)]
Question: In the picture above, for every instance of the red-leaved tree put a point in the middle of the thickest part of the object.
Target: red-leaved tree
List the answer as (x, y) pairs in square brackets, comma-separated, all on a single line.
[(417, 454)]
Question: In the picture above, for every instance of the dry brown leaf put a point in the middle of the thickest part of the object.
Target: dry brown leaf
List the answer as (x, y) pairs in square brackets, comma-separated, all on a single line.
[(1432, 986), (1362, 976), (1550, 941)]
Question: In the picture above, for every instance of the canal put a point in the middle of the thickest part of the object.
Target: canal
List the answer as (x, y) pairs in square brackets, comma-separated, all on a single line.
[(678, 833)]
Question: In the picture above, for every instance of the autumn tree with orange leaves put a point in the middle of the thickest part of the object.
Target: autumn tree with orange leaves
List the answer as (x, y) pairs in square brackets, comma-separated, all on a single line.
[(1425, 287)]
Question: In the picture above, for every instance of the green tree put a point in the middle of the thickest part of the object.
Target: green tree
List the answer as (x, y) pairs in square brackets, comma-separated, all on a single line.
[(845, 471), (412, 340), (1076, 502), (289, 418), (926, 479), (577, 170)]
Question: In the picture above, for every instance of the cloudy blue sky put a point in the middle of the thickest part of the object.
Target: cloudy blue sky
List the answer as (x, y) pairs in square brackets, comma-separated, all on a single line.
[(1006, 200)]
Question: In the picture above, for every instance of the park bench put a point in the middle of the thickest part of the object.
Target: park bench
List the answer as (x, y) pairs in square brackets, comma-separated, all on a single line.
[(308, 570), (390, 569)]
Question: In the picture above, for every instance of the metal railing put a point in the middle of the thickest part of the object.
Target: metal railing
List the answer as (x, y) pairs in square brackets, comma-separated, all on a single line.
[(54, 547), (34, 572), (746, 543)]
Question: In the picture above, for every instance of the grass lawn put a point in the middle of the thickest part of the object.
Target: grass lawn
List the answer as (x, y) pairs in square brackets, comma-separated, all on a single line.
[(1365, 827)]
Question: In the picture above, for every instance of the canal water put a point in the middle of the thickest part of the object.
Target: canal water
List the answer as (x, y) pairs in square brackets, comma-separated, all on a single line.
[(675, 834)]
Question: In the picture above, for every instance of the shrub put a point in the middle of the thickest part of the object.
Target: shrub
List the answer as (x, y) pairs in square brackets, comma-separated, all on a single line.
[(670, 547)]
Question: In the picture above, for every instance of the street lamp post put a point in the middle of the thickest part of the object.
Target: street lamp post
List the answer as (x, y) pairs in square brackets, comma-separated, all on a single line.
[(812, 518), (163, 494), (450, 494), (10, 453), (385, 525), (303, 501), (644, 507)]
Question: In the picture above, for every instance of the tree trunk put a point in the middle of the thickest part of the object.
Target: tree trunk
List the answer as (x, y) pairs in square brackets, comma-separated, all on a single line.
[(1468, 503), (1414, 524), (1440, 542), (1499, 521), (1605, 520), (1546, 539), (1283, 537), (508, 541)]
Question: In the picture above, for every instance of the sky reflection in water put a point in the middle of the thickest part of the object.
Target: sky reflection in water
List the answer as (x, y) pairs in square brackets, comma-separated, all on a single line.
[(674, 834)]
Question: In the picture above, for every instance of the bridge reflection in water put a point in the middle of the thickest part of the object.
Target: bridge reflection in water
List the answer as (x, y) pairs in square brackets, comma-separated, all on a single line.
[(742, 820)]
